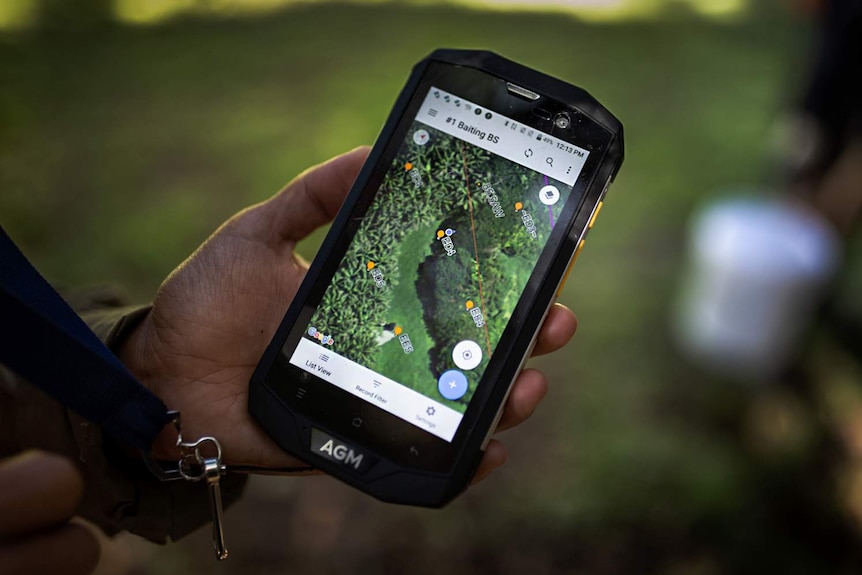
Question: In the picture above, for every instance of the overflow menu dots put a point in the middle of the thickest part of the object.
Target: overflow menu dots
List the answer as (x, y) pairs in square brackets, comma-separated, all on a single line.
[(503, 136)]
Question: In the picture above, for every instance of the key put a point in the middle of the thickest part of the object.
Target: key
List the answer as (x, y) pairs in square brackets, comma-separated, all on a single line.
[(212, 472)]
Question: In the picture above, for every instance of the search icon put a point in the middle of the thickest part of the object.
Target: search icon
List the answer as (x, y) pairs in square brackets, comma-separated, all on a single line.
[(550, 161)]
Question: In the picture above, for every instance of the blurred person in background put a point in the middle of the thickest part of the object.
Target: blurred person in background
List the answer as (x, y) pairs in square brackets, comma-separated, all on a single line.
[(823, 147), (762, 267)]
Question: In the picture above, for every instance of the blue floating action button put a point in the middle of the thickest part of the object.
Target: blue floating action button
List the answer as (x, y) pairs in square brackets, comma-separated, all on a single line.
[(452, 384)]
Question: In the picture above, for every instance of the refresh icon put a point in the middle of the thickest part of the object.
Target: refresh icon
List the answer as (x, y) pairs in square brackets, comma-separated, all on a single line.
[(528, 152)]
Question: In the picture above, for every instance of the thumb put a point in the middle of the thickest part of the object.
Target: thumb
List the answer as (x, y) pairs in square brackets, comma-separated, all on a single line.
[(37, 490), (312, 199)]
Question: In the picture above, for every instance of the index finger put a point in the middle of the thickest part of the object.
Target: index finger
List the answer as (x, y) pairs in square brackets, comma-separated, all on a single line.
[(556, 331)]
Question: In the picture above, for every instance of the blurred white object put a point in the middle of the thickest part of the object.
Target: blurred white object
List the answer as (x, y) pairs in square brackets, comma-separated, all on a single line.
[(756, 273)]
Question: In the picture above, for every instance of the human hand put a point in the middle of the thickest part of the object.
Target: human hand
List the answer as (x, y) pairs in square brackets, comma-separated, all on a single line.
[(38, 495), (215, 314)]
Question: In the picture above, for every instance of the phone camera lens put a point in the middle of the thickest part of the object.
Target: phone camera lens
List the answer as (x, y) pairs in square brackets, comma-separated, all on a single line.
[(562, 121)]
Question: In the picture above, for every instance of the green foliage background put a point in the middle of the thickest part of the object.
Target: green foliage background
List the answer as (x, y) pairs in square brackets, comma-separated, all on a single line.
[(122, 148)]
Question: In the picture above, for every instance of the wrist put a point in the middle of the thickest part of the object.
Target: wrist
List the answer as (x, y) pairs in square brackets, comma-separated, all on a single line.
[(133, 350), (136, 352)]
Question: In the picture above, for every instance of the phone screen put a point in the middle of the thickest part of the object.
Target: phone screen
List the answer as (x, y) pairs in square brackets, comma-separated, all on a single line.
[(439, 261)]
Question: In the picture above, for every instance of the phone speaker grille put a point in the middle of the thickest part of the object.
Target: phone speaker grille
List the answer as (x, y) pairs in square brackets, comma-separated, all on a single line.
[(522, 92)]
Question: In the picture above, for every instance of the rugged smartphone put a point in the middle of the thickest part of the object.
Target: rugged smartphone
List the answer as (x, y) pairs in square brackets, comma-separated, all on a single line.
[(393, 363)]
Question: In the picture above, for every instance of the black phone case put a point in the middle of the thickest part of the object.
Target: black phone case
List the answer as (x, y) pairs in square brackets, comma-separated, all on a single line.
[(387, 480)]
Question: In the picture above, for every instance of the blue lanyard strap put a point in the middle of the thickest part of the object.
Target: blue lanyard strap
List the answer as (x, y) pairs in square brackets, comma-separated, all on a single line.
[(48, 344)]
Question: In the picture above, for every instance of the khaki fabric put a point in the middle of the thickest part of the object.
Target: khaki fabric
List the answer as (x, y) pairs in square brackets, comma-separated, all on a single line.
[(121, 494)]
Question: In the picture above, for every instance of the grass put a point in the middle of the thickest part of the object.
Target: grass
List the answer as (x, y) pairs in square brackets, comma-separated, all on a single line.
[(189, 122), (121, 151)]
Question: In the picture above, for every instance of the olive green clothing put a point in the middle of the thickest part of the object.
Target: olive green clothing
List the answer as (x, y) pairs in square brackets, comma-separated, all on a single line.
[(120, 494)]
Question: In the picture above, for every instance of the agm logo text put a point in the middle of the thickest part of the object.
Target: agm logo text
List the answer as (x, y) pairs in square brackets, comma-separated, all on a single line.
[(342, 453)]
